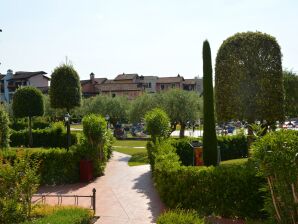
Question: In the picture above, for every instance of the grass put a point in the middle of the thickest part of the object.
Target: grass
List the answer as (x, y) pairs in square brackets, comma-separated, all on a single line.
[(78, 126), (138, 155), (44, 214), (234, 161)]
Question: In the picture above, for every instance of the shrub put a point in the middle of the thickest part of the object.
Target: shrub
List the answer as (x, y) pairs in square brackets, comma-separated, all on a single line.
[(18, 182), (4, 129), (277, 156), (179, 217), (226, 190), (50, 137), (157, 124)]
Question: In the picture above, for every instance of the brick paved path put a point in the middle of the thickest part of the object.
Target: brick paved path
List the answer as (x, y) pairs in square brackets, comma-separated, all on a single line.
[(123, 195)]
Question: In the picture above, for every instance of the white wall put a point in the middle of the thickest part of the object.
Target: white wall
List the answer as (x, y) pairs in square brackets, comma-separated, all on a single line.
[(38, 81)]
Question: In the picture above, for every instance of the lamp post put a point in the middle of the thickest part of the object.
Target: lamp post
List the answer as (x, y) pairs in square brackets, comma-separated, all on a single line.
[(107, 118), (67, 121)]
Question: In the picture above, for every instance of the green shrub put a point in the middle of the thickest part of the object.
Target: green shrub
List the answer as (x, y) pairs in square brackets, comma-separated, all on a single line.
[(18, 182), (49, 137), (227, 190), (179, 217), (232, 147), (18, 124), (67, 215), (277, 156), (4, 129)]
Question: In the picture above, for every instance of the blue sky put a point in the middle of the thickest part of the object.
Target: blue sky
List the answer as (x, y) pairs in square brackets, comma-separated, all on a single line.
[(148, 37)]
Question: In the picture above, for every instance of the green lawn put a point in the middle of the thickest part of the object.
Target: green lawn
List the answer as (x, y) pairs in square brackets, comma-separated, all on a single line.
[(77, 126), (131, 147), (234, 161)]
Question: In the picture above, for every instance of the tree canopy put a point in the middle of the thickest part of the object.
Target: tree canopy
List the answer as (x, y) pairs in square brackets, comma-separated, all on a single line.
[(65, 89), (248, 78), (291, 93)]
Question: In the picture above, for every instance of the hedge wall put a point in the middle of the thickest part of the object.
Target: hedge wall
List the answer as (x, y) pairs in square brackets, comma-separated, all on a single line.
[(226, 190), (50, 137), (231, 147)]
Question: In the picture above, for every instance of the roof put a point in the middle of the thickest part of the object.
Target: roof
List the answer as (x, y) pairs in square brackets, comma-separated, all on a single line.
[(189, 81), (27, 75), (126, 76), (109, 87), (97, 80), (1, 76), (170, 79)]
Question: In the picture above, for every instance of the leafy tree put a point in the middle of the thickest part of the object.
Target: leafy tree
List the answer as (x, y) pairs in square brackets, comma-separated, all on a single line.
[(28, 102), (4, 129), (65, 90), (209, 134), (291, 93), (157, 124), (248, 79), (140, 106), (182, 107)]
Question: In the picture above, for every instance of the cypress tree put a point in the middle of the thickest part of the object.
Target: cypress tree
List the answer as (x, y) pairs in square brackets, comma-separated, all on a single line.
[(209, 135)]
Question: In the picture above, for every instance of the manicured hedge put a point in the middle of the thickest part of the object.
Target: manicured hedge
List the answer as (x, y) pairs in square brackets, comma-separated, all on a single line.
[(231, 147), (227, 190), (50, 137)]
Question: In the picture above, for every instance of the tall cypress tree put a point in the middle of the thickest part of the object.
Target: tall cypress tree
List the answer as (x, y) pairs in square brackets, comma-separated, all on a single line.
[(209, 135)]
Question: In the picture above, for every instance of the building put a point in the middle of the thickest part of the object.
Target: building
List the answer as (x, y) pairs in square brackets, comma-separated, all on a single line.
[(12, 81), (149, 83), (89, 86), (165, 83), (195, 84)]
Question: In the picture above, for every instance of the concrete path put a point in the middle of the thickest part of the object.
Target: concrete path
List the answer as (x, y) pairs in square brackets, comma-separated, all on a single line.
[(124, 195)]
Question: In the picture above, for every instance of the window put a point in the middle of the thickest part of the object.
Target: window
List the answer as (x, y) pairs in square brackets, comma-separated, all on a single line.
[(162, 86), (149, 85), (113, 94)]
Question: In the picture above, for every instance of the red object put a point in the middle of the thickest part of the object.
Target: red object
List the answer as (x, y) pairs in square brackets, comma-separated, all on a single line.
[(86, 168), (199, 156)]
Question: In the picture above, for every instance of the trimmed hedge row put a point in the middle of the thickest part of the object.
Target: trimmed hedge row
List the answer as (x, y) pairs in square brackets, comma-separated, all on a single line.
[(231, 147), (50, 137), (227, 190)]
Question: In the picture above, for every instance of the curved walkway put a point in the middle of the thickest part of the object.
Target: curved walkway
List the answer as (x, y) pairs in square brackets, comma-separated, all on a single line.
[(124, 195)]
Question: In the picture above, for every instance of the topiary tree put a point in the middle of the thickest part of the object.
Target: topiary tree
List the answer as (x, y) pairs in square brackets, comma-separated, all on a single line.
[(65, 90), (94, 129), (28, 102), (209, 134), (291, 93), (248, 79), (4, 129), (157, 124)]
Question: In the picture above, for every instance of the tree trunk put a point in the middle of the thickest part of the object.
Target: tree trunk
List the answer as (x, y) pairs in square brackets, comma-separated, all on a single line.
[(30, 132), (182, 129)]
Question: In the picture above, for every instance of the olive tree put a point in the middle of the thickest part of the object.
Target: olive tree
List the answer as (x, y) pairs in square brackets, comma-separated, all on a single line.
[(248, 79), (182, 107), (28, 102)]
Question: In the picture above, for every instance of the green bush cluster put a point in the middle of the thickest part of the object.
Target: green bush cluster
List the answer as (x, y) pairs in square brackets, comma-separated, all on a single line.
[(277, 156), (18, 182), (180, 217), (55, 136), (231, 147), (226, 190), (4, 129)]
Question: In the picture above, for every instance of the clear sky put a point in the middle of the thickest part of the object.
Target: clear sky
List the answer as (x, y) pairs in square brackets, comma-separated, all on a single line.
[(148, 37)]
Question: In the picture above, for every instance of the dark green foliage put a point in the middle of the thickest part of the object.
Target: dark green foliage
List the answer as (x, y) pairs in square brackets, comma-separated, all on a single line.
[(209, 134), (27, 102), (50, 137), (248, 79), (277, 156), (4, 129), (17, 185), (157, 124), (291, 93), (184, 150), (65, 216), (233, 147), (180, 217), (65, 90), (226, 190), (37, 123)]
